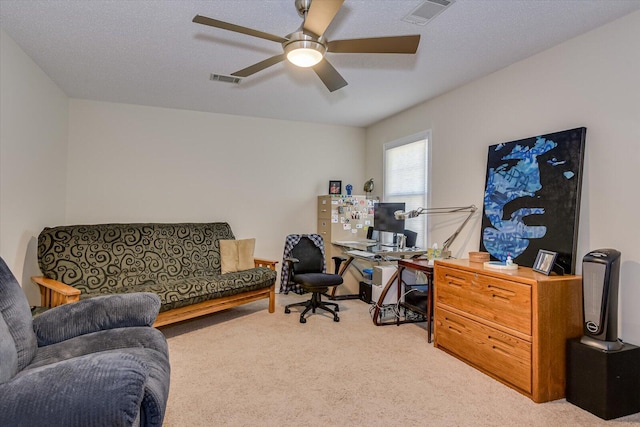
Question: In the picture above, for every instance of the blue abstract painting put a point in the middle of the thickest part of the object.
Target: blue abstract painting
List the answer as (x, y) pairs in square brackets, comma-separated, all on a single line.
[(532, 198)]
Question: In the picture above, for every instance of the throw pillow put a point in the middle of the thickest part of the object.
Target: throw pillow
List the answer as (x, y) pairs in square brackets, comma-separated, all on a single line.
[(236, 255)]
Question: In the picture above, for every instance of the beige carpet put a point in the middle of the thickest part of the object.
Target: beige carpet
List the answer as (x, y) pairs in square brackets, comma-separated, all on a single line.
[(246, 367)]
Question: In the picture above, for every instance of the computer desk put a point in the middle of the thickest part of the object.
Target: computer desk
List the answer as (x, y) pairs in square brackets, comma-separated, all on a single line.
[(375, 255)]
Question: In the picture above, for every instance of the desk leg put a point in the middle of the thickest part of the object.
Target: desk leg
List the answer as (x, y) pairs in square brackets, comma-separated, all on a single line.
[(376, 311), (343, 268), (346, 265), (400, 270), (429, 305)]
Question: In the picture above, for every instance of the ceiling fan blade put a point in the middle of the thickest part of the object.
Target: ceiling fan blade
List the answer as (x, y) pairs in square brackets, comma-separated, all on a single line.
[(252, 69), (320, 15), (199, 19), (396, 44), (329, 76)]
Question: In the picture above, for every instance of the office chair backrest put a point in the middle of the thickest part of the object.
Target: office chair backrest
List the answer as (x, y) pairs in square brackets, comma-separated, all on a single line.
[(372, 234), (411, 237), (309, 256)]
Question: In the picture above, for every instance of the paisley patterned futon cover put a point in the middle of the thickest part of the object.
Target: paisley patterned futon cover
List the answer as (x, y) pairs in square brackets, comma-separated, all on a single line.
[(179, 262)]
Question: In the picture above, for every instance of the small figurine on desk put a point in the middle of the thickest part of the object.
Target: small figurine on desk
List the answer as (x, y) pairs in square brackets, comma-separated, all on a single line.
[(509, 261), (349, 187), (498, 265)]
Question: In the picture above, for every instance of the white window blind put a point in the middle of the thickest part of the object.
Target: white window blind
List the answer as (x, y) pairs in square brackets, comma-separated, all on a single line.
[(406, 179)]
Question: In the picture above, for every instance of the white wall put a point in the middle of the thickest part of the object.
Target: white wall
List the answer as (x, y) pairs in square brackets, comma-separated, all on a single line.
[(592, 81), (131, 163), (33, 159)]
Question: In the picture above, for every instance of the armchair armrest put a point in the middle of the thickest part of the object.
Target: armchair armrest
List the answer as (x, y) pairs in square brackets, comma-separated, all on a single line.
[(54, 293), (96, 314), (261, 262), (97, 389)]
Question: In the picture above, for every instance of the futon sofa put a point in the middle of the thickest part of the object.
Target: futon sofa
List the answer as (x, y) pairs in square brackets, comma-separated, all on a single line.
[(181, 263), (96, 362)]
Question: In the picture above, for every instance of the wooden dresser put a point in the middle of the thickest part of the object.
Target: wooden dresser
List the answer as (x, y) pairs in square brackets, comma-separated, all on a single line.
[(511, 325)]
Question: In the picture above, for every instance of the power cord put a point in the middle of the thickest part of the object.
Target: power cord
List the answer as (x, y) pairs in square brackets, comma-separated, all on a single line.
[(382, 309)]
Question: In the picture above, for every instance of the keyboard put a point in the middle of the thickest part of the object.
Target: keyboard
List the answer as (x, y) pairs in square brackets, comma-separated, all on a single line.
[(363, 254), (367, 242)]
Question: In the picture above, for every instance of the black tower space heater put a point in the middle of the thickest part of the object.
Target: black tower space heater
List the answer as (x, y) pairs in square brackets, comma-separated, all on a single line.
[(600, 279)]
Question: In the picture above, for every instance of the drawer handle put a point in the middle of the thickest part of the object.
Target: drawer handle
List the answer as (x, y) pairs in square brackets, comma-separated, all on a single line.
[(454, 330), (454, 281), (501, 297), (500, 350), (500, 341), (506, 291), (453, 322)]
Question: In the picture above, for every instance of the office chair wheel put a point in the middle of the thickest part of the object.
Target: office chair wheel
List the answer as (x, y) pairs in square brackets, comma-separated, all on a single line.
[(336, 318), (286, 310), (302, 319)]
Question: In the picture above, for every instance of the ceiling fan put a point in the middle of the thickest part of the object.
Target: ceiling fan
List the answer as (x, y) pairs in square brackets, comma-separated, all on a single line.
[(307, 46)]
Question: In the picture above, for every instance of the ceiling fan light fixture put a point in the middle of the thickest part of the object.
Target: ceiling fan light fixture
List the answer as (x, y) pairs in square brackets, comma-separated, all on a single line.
[(304, 53), (307, 46)]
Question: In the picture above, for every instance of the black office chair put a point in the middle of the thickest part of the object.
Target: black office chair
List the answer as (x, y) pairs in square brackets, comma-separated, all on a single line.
[(305, 269), (411, 237)]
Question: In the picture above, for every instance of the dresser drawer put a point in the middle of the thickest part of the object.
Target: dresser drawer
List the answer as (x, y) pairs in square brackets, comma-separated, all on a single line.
[(505, 302), (502, 355)]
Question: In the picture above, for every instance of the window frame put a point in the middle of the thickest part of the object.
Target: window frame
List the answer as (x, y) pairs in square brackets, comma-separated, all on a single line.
[(426, 136)]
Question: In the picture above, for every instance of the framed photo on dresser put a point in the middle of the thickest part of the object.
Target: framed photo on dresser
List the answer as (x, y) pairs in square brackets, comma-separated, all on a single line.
[(544, 261)]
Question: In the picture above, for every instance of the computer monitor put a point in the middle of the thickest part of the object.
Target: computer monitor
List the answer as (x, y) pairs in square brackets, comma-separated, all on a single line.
[(384, 220), (372, 234)]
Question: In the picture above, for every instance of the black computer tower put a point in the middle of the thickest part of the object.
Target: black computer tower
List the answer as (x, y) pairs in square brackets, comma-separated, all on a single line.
[(365, 292)]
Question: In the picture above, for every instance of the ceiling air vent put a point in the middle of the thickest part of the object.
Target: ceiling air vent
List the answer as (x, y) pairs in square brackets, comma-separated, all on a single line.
[(224, 79), (428, 10)]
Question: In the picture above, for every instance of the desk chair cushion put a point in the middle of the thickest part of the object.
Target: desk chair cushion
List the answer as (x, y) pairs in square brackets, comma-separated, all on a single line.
[(313, 281)]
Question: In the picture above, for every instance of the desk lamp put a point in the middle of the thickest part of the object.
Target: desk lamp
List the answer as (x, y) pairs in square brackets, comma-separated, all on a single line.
[(430, 211)]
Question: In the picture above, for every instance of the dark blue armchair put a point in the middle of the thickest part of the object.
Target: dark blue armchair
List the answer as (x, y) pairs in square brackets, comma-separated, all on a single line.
[(96, 362)]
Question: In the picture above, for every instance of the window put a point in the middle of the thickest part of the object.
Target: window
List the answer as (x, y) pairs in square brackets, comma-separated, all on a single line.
[(406, 180)]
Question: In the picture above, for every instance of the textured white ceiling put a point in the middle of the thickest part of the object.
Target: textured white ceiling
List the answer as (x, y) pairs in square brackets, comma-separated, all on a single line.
[(150, 53)]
